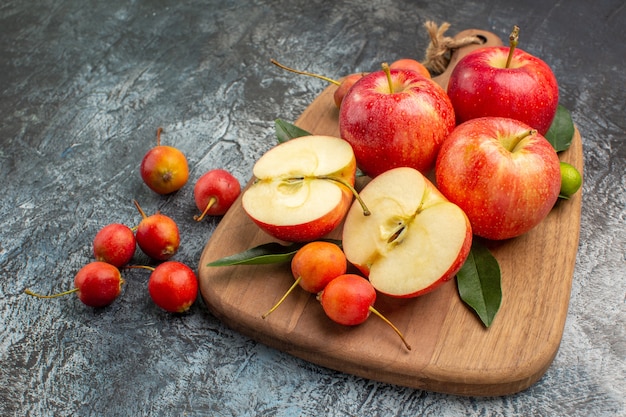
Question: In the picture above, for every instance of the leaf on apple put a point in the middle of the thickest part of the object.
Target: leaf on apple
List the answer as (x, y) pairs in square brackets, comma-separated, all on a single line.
[(267, 253), (561, 131), (478, 282), (286, 131)]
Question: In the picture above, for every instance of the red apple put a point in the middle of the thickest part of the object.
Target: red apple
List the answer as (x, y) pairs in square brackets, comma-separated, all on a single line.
[(414, 240), (394, 118), (482, 84), (502, 173)]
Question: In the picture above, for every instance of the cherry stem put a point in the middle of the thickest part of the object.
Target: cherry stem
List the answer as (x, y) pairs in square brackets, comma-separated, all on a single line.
[(271, 310), (513, 40), (34, 294), (387, 71), (517, 139), (143, 214), (150, 268), (158, 135), (366, 211), (373, 310), (310, 74), (212, 201)]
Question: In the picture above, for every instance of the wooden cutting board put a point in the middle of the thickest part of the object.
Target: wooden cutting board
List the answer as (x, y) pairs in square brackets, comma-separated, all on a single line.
[(451, 350)]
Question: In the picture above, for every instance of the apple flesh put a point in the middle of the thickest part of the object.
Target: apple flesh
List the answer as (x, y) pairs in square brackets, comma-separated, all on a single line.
[(414, 240), (482, 85), (302, 188), (502, 173), (395, 121)]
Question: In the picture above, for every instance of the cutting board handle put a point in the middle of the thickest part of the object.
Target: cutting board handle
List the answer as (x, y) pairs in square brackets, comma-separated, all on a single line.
[(488, 38)]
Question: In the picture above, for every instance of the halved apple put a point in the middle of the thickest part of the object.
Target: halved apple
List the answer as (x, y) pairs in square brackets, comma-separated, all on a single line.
[(414, 240), (303, 188)]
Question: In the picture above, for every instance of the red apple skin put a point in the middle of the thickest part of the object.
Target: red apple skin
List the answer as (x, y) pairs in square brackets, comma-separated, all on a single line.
[(313, 230), (405, 128), (504, 194), (345, 85), (408, 63), (480, 86)]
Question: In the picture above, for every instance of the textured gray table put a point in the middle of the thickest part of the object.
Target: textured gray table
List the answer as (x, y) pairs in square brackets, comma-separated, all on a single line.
[(84, 85)]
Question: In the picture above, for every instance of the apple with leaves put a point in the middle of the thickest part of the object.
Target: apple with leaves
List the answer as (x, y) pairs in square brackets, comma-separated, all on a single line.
[(394, 118), (502, 173), (302, 188), (414, 240)]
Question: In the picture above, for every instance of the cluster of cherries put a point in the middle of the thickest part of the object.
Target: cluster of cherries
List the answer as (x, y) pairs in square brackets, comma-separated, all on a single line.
[(172, 285), (320, 268)]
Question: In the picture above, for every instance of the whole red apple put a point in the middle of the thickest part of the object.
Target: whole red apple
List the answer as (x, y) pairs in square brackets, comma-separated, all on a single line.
[(394, 118), (482, 85), (503, 174)]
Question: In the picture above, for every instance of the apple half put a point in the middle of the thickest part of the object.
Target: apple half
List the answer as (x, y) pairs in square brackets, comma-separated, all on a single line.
[(303, 188), (413, 241)]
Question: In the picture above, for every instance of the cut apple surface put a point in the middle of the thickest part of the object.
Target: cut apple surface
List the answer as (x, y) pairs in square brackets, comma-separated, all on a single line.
[(414, 240), (302, 188)]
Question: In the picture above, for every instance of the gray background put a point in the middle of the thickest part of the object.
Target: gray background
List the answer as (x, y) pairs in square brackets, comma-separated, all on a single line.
[(84, 85)]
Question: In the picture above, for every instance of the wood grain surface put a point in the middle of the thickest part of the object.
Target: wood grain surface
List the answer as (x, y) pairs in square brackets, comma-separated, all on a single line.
[(452, 351)]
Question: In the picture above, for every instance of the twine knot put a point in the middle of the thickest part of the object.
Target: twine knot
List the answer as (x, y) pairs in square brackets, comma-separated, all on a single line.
[(439, 51)]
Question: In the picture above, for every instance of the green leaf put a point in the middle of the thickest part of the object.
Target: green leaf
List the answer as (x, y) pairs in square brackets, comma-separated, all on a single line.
[(478, 283), (267, 253), (561, 131), (286, 131)]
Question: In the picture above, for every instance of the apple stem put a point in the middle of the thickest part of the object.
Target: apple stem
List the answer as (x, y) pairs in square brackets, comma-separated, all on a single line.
[(271, 310), (310, 74), (373, 310), (513, 40), (366, 211), (34, 294), (158, 135), (387, 71), (517, 139), (212, 201), (143, 214)]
